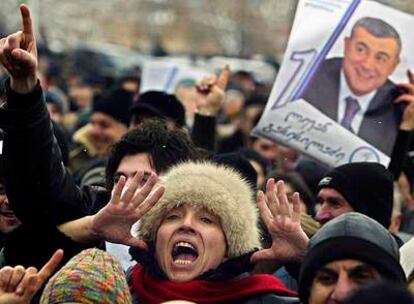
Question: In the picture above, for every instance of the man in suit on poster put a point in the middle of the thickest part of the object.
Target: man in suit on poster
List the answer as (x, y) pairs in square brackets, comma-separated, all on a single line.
[(355, 90)]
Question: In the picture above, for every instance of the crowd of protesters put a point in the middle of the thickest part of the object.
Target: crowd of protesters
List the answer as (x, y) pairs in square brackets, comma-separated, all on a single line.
[(112, 196)]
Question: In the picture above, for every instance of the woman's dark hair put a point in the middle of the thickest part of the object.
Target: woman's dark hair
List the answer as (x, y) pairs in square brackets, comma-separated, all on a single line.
[(165, 147), (298, 184)]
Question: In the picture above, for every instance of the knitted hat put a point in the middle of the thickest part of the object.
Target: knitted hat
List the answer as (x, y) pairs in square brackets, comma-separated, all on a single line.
[(351, 236), (160, 104), (216, 188), (367, 187), (115, 104), (92, 276)]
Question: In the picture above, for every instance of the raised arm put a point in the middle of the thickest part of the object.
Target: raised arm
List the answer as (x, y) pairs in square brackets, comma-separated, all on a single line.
[(37, 183), (406, 128), (211, 91)]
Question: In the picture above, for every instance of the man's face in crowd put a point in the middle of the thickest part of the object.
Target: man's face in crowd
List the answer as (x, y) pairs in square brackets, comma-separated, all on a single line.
[(266, 148), (336, 281), (130, 164), (105, 132), (332, 204), (369, 60), (8, 221)]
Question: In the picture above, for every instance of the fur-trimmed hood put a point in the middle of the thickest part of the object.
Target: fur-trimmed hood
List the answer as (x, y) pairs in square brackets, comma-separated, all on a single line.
[(218, 189)]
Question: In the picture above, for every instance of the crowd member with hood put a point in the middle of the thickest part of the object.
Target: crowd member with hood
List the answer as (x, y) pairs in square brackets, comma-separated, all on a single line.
[(348, 253)]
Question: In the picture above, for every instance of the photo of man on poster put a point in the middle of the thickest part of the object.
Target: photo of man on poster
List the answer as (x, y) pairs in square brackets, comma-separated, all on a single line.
[(355, 90)]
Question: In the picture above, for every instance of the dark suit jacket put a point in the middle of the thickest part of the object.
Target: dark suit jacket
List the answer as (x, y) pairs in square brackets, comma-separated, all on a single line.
[(381, 121)]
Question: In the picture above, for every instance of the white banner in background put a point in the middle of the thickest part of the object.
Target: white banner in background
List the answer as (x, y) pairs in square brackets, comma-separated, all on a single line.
[(164, 76)]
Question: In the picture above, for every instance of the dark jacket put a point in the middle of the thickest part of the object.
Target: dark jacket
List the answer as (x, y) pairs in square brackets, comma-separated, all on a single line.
[(382, 118), (38, 185), (41, 192), (34, 163)]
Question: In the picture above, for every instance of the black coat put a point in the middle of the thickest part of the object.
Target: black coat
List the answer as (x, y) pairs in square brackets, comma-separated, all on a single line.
[(382, 118), (41, 192)]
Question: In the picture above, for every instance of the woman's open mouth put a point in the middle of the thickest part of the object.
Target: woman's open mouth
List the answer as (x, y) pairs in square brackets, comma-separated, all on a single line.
[(184, 253)]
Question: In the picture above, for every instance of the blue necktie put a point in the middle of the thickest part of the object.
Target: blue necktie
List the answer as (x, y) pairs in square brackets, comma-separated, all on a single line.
[(352, 107)]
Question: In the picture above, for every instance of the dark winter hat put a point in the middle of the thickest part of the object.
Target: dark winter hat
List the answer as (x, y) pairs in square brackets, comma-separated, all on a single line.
[(115, 104), (53, 98), (251, 154), (351, 236), (367, 187), (240, 163), (160, 104)]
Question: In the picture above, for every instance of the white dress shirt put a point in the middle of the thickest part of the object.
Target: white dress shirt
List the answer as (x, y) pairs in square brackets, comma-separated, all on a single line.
[(363, 101)]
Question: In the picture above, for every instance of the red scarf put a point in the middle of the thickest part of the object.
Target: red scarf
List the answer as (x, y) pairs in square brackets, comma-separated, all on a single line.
[(150, 290)]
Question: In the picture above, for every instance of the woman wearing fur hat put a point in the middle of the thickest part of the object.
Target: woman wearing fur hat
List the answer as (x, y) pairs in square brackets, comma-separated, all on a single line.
[(198, 235)]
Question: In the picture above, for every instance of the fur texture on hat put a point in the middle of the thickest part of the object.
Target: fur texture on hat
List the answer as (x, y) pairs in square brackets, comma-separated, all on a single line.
[(216, 188)]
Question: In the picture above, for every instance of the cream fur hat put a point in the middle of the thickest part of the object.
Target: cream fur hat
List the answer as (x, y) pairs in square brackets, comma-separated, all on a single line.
[(216, 188)]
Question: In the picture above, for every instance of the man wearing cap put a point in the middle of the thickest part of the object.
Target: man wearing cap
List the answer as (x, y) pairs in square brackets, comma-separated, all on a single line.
[(362, 187), (210, 91), (108, 123), (349, 252), (158, 104)]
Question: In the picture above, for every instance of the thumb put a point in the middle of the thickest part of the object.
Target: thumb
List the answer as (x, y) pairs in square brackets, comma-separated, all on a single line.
[(410, 75), (22, 55), (262, 255), (136, 242), (223, 78)]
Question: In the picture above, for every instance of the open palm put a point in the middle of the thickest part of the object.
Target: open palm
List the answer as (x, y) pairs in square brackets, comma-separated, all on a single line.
[(282, 220), (129, 202)]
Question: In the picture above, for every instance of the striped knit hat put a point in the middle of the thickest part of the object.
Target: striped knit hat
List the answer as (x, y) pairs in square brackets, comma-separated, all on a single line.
[(92, 276)]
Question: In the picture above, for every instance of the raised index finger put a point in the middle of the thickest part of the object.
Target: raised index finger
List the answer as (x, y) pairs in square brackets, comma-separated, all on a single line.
[(50, 266), (26, 20)]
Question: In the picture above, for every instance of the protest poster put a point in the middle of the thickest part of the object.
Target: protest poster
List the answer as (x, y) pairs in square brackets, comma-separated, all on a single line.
[(338, 74), (159, 75)]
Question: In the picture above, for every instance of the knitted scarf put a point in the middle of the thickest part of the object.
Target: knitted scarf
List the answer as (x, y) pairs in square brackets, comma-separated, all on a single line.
[(151, 290)]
